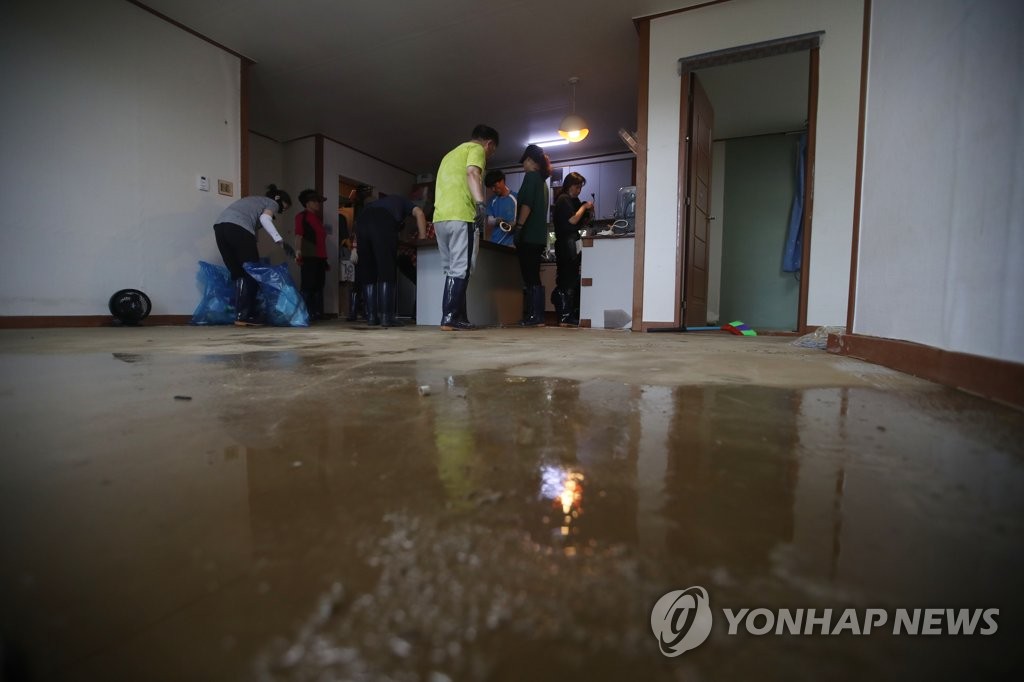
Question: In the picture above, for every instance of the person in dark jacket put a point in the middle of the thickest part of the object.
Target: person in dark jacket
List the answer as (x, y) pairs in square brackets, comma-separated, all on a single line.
[(377, 229)]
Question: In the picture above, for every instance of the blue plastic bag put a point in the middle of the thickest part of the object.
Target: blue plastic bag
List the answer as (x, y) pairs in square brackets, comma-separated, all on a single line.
[(217, 305), (283, 304)]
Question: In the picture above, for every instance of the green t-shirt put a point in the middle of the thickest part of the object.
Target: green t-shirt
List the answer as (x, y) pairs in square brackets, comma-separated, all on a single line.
[(534, 193), (453, 200)]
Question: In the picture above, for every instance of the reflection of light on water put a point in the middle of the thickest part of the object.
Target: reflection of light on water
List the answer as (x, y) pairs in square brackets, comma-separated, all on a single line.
[(563, 486)]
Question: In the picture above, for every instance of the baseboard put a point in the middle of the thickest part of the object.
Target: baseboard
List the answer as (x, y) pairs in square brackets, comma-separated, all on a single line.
[(51, 321), (999, 380)]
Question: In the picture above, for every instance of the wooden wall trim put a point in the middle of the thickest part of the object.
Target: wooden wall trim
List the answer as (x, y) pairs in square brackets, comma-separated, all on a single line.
[(52, 321), (348, 146), (318, 169), (812, 137), (999, 380), (243, 124), (682, 192), (640, 215), (185, 28), (659, 15), (858, 180), (646, 326)]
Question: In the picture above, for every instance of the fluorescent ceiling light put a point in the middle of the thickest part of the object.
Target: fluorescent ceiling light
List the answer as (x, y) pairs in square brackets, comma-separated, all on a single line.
[(549, 143)]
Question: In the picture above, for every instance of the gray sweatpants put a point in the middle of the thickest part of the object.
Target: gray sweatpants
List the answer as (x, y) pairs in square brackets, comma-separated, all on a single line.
[(455, 243)]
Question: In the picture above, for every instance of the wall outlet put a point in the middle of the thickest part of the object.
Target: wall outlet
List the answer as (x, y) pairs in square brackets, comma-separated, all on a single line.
[(202, 183)]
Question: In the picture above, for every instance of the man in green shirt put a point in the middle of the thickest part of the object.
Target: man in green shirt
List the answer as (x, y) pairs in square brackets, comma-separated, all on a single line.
[(459, 218)]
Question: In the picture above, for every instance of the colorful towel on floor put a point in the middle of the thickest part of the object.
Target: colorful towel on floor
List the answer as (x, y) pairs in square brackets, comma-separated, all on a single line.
[(739, 328)]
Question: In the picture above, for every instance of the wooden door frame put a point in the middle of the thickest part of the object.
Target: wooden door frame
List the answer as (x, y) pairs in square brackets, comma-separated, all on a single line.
[(682, 192), (809, 42), (812, 127)]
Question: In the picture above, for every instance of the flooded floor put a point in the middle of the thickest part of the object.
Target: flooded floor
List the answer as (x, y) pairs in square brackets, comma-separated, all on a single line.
[(284, 505)]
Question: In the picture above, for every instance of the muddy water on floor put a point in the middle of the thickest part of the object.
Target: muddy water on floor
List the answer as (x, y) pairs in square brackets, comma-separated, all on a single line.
[(297, 519)]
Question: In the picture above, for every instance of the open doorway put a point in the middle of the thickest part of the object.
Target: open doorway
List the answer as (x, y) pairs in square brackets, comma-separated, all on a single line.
[(753, 234), (352, 194)]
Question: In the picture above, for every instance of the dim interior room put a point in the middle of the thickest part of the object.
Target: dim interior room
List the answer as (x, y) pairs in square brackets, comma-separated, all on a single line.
[(347, 501)]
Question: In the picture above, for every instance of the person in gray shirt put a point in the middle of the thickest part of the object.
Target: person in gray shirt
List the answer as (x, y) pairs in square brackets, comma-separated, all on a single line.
[(235, 230)]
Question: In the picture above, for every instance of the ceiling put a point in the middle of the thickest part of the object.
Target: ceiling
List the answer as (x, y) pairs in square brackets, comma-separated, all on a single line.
[(405, 81)]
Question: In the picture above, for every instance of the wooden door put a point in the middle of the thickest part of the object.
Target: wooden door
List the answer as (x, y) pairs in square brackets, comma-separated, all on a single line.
[(696, 184)]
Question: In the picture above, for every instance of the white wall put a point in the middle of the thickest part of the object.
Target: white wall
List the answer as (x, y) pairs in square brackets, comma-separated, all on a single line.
[(743, 22), (942, 226), (110, 113), (266, 163)]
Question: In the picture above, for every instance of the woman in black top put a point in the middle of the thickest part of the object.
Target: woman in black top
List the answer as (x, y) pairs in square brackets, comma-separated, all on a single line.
[(569, 213)]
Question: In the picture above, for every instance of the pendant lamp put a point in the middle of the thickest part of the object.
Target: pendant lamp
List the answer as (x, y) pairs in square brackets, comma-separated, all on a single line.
[(573, 127)]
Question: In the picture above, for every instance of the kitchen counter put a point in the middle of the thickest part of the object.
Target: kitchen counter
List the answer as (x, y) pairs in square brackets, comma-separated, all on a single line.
[(495, 287), (606, 291)]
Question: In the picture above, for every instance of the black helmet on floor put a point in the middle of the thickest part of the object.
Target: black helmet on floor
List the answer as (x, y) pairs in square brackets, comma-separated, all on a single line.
[(129, 306)]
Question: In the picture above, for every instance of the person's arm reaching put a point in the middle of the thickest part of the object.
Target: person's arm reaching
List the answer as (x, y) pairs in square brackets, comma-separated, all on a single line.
[(300, 231), (476, 188), (476, 183), (578, 215), (421, 222), (267, 221)]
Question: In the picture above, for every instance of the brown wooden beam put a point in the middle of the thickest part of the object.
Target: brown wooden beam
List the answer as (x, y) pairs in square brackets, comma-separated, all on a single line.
[(999, 380)]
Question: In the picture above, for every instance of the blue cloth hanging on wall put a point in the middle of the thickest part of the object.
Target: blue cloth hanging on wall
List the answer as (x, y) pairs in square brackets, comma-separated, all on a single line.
[(792, 257)]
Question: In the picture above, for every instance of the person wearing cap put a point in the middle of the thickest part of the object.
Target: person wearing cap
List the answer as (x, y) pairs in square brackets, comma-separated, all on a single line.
[(235, 231), (377, 228), (459, 218), (311, 252), (501, 208), (532, 231)]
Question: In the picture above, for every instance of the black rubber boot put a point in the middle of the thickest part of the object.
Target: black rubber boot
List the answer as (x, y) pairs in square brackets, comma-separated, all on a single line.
[(307, 298), (567, 316), (461, 312), (247, 315), (535, 318), (370, 299), (556, 300), (454, 297), (317, 312), (353, 304), (386, 305)]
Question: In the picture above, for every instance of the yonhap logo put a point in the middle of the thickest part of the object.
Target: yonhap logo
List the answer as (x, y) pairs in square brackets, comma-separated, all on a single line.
[(681, 620)]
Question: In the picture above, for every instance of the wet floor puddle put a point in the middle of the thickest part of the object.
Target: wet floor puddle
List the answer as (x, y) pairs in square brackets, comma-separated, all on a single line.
[(511, 528)]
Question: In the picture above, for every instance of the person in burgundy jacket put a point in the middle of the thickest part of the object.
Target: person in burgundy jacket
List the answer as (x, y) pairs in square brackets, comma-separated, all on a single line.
[(311, 252)]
